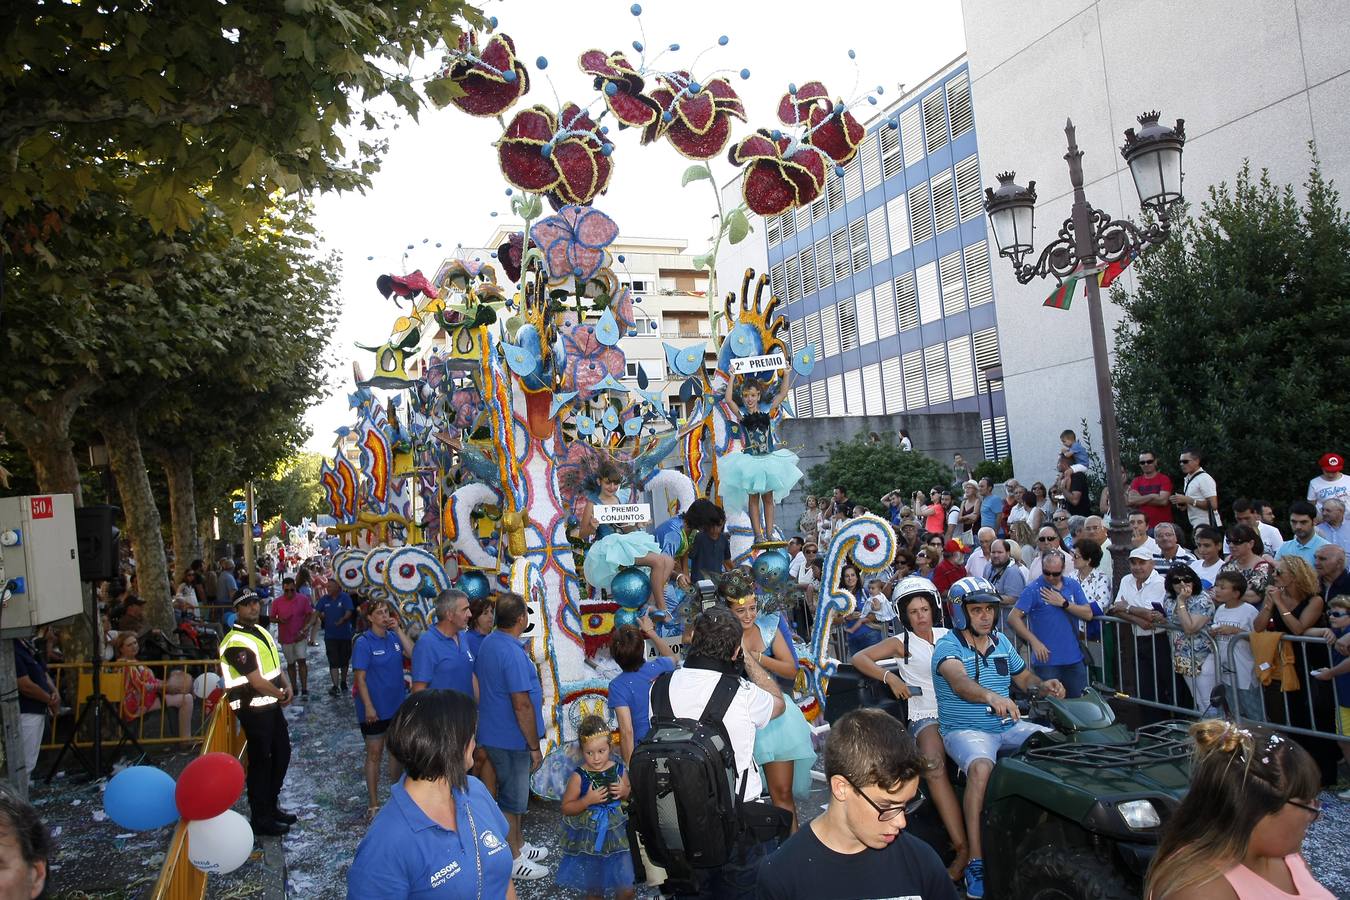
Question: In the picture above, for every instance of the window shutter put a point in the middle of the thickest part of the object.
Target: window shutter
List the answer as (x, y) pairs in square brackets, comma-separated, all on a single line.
[(930, 299), (829, 330), (963, 372), (907, 302), (935, 373), (953, 290), (897, 217), (873, 404), (876, 235), (935, 120), (944, 202), (911, 134), (867, 318), (894, 384), (978, 281), (886, 312), (968, 188), (848, 325), (916, 396), (958, 105), (920, 214)]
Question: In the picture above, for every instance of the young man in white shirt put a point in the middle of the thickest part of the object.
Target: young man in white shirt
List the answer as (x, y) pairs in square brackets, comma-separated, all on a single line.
[(1200, 495), (1140, 601)]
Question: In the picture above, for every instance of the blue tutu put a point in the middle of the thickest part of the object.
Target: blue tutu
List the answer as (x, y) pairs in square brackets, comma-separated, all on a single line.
[(616, 551), (595, 855), (788, 737), (741, 475)]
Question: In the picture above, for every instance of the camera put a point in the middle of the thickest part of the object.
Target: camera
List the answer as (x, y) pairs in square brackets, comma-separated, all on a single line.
[(705, 594)]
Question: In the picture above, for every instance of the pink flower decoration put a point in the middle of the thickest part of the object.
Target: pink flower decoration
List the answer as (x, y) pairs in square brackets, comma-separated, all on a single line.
[(589, 361), (573, 242)]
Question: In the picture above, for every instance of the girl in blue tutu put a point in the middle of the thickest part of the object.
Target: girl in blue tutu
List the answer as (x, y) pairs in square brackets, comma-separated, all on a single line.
[(754, 477), (619, 546), (595, 857)]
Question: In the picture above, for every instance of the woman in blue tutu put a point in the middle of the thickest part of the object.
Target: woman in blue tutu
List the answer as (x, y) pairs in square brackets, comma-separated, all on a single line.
[(783, 748), (595, 857), (617, 547), (753, 478)]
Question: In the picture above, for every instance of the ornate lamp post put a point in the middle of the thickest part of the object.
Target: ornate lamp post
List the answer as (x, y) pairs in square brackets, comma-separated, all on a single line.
[(1087, 240)]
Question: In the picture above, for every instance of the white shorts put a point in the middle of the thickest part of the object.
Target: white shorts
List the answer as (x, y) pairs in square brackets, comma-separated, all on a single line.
[(294, 652), (33, 726)]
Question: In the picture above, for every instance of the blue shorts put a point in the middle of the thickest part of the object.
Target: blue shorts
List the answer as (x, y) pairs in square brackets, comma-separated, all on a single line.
[(916, 726), (513, 778), (969, 745)]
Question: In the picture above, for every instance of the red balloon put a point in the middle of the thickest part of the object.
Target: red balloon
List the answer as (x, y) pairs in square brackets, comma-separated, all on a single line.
[(208, 786)]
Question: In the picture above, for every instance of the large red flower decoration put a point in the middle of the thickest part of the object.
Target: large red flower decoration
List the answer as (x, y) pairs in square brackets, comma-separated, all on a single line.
[(625, 99), (567, 159), (778, 176), (491, 80), (697, 122), (828, 126)]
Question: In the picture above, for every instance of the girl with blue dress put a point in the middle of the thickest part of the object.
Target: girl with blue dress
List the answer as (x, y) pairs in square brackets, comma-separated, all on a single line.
[(595, 855), (616, 547), (754, 477), (783, 748)]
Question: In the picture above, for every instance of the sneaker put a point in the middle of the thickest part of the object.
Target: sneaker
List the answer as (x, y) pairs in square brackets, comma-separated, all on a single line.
[(532, 853), (344, 687), (270, 828), (975, 879), (524, 870), (285, 818)]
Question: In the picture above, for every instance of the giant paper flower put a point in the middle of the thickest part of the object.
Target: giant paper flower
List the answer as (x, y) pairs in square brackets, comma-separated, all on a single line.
[(622, 87), (695, 117), (829, 126), (566, 157), (588, 360), (510, 254), (573, 242), (491, 80), (780, 173)]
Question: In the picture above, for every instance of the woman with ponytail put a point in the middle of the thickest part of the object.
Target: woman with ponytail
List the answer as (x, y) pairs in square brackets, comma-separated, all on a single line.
[(1238, 832)]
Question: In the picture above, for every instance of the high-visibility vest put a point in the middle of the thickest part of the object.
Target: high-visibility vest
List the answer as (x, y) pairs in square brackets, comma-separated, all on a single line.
[(264, 649)]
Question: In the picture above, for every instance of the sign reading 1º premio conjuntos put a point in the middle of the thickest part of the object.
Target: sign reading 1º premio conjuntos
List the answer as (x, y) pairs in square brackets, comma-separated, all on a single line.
[(623, 514), (750, 365)]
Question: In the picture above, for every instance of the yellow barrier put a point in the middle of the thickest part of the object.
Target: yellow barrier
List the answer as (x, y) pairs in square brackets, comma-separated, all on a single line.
[(113, 681), (178, 878)]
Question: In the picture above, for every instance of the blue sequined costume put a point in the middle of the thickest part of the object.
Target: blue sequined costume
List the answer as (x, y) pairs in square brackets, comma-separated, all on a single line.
[(759, 468), (788, 737), (595, 857)]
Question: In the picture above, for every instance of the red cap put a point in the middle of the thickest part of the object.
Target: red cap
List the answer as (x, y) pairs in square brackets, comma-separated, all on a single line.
[(954, 546), (1332, 462)]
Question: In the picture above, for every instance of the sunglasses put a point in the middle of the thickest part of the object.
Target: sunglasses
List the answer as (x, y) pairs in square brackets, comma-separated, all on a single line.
[(1147, 462), (1338, 613), (1060, 519), (886, 813), (1044, 540)]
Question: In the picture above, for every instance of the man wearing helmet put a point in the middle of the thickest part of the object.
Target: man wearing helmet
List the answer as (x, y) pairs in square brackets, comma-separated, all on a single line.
[(972, 669)]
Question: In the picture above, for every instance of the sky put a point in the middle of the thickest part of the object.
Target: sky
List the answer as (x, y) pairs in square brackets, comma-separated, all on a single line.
[(439, 181)]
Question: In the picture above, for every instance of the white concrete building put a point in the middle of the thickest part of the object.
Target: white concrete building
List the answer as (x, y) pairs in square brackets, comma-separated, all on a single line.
[(1255, 80)]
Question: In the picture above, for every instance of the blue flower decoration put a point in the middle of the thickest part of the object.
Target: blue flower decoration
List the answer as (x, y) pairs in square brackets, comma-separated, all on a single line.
[(574, 241)]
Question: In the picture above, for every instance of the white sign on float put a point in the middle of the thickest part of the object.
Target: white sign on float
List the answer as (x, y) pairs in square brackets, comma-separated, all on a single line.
[(623, 514), (753, 365)]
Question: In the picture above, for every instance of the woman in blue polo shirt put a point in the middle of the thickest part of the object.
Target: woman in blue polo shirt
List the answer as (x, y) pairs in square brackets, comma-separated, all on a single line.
[(377, 666), (441, 835)]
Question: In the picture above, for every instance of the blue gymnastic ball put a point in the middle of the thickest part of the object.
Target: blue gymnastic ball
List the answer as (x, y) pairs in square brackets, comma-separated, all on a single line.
[(630, 588)]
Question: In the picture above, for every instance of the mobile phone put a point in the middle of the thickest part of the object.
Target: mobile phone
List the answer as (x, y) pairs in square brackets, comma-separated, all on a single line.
[(915, 691), (1158, 608)]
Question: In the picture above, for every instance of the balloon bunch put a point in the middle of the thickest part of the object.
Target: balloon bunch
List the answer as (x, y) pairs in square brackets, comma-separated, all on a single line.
[(142, 798)]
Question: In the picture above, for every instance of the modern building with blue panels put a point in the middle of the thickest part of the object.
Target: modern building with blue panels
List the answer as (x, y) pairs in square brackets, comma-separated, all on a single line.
[(888, 272)]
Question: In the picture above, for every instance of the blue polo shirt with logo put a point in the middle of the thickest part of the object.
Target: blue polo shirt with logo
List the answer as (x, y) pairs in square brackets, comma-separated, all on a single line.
[(381, 658), (444, 663), (406, 854), (993, 669)]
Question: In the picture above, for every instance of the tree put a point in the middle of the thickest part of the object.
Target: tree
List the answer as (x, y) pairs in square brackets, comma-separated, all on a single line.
[(869, 471), (227, 101), (293, 492), (1232, 341)]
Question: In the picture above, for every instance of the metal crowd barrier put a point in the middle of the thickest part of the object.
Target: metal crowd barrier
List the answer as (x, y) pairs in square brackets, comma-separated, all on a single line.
[(1311, 709)]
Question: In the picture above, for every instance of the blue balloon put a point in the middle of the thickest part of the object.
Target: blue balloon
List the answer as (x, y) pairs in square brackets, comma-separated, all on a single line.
[(771, 568), (141, 798), (474, 583), (625, 617), (630, 588)]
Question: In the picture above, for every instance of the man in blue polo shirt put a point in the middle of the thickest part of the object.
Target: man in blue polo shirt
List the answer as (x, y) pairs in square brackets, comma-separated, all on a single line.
[(510, 723), (972, 668), (338, 613), (1306, 540), (442, 659), (1052, 606)]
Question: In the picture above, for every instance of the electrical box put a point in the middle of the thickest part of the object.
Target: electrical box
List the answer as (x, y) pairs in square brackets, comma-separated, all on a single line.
[(39, 562)]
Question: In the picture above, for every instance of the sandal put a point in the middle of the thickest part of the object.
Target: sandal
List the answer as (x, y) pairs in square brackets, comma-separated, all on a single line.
[(371, 813)]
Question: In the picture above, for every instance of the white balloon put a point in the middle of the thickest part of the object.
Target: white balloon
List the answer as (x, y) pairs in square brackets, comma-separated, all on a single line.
[(220, 845), (204, 684)]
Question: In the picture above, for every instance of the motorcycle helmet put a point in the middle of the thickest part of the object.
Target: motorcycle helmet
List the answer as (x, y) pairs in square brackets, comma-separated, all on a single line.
[(970, 589)]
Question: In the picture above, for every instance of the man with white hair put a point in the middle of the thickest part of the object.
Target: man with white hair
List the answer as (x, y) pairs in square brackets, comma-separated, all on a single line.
[(1170, 552), (1334, 529), (977, 563)]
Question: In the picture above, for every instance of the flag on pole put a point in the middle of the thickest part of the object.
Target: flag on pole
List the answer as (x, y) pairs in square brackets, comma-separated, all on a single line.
[(1112, 271), (1062, 296)]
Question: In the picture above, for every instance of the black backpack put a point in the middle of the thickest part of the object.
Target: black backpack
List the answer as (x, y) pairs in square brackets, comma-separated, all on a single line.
[(686, 802)]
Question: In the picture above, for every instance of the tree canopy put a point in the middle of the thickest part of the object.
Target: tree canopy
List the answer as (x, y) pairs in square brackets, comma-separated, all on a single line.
[(1231, 342), (869, 471)]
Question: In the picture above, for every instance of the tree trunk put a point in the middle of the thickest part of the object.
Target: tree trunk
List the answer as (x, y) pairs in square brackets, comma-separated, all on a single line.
[(182, 507), (142, 516), (206, 535), (43, 427)]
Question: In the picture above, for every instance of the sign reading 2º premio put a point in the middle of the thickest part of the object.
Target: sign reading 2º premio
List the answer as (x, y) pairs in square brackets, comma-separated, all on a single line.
[(623, 513), (750, 365)]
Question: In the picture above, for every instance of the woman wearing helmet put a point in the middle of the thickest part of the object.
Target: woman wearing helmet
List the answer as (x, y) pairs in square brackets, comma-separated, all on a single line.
[(916, 603)]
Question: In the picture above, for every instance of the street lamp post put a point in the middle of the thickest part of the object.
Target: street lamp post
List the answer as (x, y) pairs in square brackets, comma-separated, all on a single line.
[(1087, 240)]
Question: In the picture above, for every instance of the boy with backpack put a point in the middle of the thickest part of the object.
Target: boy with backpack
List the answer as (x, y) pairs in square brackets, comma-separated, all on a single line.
[(697, 767)]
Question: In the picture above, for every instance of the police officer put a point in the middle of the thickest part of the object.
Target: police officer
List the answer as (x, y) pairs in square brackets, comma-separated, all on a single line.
[(257, 688)]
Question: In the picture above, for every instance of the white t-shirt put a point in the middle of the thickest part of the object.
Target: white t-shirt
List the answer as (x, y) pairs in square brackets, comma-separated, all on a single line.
[(977, 564), (1200, 486), (917, 672), (750, 710), (1207, 572), (1242, 616), (954, 518), (1320, 489), (906, 444), (795, 567), (1142, 598)]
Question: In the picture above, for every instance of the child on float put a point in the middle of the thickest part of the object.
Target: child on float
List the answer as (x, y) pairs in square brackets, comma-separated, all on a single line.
[(783, 748), (595, 855), (707, 549), (617, 547), (754, 477)]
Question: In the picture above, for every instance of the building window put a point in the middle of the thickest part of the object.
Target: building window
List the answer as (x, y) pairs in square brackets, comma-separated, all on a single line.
[(778, 279), (834, 189), (935, 120), (911, 134), (963, 372), (968, 187), (891, 160), (857, 238), (897, 217), (829, 330), (930, 299), (813, 331), (871, 390), (986, 358), (867, 318), (876, 235), (795, 329), (978, 281), (894, 384), (953, 290), (915, 395), (848, 325), (771, 232), (839, 244), (819, 210), (820, 400), (834, 385), (886, 317), (794, 280), (853, 392), (944, 202), (871, 161), (958, 105), (853, 186), (787, 225), (808, 274), (935, 373), (996, 444), (907, 302), (921, 214), (824, 268)]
